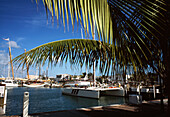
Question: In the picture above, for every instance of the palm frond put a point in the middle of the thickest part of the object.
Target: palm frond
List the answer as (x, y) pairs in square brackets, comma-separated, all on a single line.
[(132, 28), (134, 21), (77, 51)]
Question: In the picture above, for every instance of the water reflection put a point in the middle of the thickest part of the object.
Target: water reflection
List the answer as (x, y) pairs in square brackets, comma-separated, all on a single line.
[(46, 99)]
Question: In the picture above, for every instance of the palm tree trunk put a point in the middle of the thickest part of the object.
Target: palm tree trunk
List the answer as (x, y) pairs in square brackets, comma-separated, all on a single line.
[(166, 52), (168, 73)]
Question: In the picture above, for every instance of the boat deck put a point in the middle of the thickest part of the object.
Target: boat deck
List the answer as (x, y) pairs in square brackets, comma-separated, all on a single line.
[(95, 88)]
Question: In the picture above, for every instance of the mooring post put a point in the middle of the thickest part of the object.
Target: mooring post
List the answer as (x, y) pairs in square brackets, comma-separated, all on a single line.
[(3, 98), (25, 104), (154, 91)]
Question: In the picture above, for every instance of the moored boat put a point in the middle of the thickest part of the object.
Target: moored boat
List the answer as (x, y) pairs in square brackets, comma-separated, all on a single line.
[(33, 85), (78, 83), (10, 83), (81, 92), (93, 92)]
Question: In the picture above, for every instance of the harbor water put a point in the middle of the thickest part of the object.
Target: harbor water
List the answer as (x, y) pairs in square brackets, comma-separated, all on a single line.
[(51, 99)]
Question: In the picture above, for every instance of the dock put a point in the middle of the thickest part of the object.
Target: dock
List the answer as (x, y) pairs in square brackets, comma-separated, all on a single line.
[(147, 108)]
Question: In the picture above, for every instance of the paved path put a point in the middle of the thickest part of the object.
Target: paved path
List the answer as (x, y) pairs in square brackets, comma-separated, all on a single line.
[(149, 108), (118, 111)]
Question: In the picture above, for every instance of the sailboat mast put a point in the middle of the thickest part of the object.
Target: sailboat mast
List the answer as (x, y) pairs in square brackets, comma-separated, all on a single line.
[(27, 66), (9, 67), (47, 72), (39, 70), (36, 72), (86, 60), (94, 75), (11, 61)]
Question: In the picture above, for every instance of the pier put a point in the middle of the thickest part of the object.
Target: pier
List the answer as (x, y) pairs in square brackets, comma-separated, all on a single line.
[(145, 109)]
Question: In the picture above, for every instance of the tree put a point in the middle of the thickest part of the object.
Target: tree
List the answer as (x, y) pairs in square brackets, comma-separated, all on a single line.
[(74, 51), (83, 75), (135, 32)]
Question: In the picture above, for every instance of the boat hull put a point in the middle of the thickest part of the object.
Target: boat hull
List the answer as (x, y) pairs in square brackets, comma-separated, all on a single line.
[(33, 85), (118, 92), (10, 83), (80, 92), (93, 92)]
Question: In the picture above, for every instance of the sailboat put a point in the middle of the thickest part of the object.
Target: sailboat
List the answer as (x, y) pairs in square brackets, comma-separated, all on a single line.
[(30, 84), (34, 85), (8, 81)]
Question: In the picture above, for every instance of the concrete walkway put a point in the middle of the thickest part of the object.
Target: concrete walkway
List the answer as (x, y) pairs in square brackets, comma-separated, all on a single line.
[(147, 108)]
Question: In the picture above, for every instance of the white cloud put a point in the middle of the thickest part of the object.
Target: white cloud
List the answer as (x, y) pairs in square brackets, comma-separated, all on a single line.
[(14, 44), (2, 51), (39, 20), (20, 39), (3, 58)]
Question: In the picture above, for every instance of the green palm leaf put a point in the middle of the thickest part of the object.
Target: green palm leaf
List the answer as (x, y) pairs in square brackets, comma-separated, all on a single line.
[(112, 19), (74, 50)]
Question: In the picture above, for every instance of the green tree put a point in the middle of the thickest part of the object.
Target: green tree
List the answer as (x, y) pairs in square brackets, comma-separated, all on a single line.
[(134, 31), (83, 75)]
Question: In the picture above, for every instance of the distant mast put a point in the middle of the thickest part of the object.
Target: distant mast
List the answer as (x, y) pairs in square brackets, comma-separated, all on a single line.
[(86, 65), (47, 72), (94, 74), (39, 70), (9, 67), (10, 60), (27, 66)]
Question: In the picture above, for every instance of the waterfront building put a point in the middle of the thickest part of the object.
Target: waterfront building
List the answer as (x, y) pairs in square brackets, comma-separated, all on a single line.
[(32, 77), (62, 77)]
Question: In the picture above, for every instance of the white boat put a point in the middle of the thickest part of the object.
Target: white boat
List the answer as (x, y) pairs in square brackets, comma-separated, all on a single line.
[(113, 91), (93, 92), (10, 83), (81, 92), (55, 85), (33, 85), (78, 83)]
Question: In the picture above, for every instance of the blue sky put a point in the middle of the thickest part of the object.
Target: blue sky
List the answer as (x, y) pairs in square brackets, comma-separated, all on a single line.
[(25, 24)]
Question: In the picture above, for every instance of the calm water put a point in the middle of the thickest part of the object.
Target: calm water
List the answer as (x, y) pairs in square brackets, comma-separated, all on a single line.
[(46, 99)]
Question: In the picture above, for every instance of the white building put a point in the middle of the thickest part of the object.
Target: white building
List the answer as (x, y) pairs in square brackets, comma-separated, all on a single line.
[(62, 77), (33, 77)]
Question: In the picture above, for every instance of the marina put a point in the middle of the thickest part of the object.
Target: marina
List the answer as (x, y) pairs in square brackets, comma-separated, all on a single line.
[(93, 59), (51, 99), (56, 104)]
